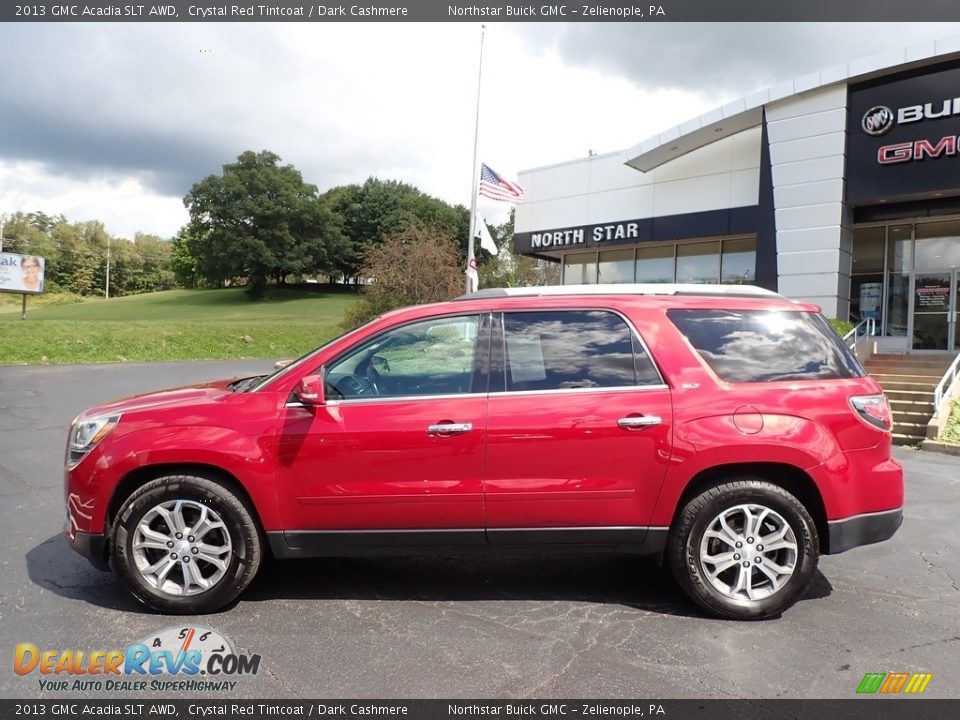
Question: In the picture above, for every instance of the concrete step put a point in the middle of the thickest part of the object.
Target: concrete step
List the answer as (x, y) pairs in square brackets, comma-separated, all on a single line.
[(908, 377), (914, 359), (906, 367), (888, 385), (946, 357), (912, 416), (899, 439), (921, 396), (910, 428)]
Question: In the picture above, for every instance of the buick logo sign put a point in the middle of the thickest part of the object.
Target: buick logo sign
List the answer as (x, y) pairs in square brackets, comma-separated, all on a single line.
[(877, 120)]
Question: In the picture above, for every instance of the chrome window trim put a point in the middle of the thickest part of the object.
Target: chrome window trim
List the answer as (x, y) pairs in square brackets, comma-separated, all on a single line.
[(402, 398), (628, 388), (454, 396), (662, 385), (593, 308)]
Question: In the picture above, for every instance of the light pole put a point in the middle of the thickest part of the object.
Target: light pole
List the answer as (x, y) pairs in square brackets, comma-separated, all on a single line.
[(106, 289)]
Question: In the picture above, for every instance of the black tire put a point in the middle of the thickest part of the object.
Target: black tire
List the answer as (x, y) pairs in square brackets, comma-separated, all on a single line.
[(244, 537), (692, 574)]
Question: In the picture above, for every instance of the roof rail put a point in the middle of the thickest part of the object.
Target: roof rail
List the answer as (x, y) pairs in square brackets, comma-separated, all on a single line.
[(624, 289)]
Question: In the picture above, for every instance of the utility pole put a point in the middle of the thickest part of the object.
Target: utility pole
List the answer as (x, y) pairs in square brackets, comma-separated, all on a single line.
[(106, 290), (1, 234)]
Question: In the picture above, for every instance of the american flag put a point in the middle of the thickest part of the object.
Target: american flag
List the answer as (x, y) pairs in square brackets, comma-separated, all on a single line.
[(496, 188)]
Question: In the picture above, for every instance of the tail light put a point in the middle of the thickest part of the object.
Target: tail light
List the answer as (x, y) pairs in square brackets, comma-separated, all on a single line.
[(874, 409)]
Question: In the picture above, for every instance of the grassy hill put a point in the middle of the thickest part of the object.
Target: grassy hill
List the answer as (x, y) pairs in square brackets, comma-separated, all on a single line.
[(172, 325)]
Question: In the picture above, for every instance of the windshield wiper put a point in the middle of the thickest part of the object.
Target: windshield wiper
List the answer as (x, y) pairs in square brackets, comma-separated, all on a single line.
[(245, 384)]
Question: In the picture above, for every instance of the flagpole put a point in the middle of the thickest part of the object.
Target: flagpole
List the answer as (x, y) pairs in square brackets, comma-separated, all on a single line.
[(476, 174)]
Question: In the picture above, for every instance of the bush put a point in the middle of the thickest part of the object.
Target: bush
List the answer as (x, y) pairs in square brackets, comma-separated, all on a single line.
[(412, 267), (951, 428), (841, 326)]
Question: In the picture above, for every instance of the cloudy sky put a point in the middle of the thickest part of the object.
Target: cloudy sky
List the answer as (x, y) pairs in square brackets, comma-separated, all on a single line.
[(116, 121)]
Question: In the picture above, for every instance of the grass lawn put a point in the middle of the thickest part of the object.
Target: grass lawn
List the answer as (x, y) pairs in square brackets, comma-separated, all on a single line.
[(172, 325)]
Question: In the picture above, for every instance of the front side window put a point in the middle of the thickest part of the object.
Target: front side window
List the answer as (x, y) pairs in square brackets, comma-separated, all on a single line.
[(766, 345), (570, 349), (430, 357)]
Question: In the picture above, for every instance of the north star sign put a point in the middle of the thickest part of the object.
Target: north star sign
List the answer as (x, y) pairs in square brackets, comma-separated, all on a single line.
[(627, 230)]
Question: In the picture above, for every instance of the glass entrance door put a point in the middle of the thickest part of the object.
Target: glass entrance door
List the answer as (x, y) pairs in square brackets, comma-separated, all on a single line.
[(934, 310), (956, 311)]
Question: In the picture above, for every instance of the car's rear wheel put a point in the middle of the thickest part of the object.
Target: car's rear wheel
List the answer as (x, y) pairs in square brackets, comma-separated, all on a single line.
[(744, 550), (185, 544)]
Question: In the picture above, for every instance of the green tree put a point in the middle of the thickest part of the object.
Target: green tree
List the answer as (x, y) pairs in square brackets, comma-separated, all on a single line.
[(155, 255), (126, 268), (370, 213), (260, 221), (185, 266)]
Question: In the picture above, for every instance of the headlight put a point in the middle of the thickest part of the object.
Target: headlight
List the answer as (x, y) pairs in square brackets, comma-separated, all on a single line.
[(85, 434)]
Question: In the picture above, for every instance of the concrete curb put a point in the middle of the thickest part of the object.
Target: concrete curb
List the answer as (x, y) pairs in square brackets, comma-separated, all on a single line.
[(940, 447)]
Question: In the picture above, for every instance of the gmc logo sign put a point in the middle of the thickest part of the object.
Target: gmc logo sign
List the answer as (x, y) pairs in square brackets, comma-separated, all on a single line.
[(916, 150)]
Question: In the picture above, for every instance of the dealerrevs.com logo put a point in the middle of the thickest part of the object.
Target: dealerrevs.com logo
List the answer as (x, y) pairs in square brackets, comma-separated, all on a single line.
[(877, 120), (175, 659)]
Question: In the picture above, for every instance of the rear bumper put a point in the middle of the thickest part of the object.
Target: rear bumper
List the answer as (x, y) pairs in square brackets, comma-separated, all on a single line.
[(91, 545), (863, 529)]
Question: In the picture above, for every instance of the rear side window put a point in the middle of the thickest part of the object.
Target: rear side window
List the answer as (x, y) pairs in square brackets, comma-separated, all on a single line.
[(763, 345), (568, 349)]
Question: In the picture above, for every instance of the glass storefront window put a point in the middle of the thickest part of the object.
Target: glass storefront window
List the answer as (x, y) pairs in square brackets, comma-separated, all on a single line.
[(698, 263), (898, 297), (655, 264), (938, 245), (616, 266), (580, 269), (868, 244), (738, 264), (900, 249), (866, 297)]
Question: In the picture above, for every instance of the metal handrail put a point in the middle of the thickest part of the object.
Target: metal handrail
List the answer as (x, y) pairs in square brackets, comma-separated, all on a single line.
[(949, 377), (869, 325)]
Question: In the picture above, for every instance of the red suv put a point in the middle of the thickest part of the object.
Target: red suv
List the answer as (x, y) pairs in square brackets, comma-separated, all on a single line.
[(725, 429)]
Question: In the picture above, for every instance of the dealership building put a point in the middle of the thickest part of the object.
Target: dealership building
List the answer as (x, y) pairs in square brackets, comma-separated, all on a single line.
[(840, 188)]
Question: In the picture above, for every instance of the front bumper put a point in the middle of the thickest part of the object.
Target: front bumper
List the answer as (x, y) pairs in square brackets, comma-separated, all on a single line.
[(864, 529), (93, 546)]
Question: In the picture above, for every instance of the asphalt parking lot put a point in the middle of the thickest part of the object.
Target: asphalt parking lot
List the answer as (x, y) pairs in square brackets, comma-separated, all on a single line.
[(469, 628)]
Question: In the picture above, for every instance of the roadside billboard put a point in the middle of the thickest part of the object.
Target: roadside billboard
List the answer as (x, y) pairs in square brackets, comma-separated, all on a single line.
[(21, 273)]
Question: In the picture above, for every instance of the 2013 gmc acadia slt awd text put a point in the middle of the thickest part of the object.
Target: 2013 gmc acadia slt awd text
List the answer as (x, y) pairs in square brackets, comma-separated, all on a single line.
[(723, 428)]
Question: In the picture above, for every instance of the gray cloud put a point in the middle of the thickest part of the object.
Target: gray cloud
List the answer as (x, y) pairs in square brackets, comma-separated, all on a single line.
[(121, 99), (720, 60), (162, 160), (169, 105)]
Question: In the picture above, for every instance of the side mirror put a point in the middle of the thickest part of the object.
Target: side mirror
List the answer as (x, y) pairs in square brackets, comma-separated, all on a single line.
[(310, 390)]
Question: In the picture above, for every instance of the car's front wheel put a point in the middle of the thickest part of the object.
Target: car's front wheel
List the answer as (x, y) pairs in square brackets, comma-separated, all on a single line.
[(185, 544), (744, 550)]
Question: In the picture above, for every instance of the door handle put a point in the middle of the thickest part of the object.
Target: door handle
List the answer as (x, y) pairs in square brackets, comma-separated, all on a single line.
[(639, 422), (449, 428)]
